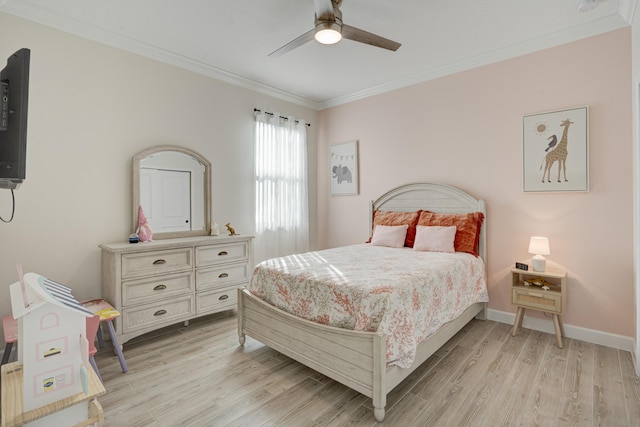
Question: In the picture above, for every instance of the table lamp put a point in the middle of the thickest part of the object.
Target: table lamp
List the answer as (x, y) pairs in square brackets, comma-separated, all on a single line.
[(539, 246)]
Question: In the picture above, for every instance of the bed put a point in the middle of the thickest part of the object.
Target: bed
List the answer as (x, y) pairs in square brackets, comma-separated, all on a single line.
[(365, 358)]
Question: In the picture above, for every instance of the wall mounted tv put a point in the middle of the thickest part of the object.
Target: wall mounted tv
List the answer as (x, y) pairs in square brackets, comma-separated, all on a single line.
[(14, 100)]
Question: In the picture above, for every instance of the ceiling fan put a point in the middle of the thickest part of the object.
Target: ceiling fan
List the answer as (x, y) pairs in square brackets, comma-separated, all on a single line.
[(329, 29)]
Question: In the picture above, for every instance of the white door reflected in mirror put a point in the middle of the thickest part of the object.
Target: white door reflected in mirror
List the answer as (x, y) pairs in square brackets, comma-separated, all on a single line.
[(165, 196)]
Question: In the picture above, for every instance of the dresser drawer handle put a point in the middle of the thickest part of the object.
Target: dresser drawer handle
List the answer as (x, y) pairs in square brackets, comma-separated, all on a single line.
[(223, 297), (160, 312), (223, 275), (159, 262), (223, 253), (160, 287), (535, 294)]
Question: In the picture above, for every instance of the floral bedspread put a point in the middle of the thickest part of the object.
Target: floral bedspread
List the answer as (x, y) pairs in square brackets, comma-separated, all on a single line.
[(402, 293)]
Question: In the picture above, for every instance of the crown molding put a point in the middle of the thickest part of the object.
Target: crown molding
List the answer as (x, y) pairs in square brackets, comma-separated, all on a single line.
[(81, 29), (60, 22), (600, 26)]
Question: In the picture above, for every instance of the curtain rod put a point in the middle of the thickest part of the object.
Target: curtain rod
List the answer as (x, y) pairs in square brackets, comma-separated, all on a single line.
[(257, 110)]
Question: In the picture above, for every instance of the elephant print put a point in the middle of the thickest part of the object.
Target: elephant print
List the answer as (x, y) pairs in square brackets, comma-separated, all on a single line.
[(341, 173)]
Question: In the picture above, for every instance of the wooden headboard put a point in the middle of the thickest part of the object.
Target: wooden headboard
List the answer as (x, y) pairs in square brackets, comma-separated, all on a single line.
[(439, 198)]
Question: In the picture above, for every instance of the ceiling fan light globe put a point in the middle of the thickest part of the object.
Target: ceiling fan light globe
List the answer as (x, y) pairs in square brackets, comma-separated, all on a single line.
[(328, 33)]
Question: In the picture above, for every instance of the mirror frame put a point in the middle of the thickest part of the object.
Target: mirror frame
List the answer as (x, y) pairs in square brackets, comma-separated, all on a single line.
[(207, 190)]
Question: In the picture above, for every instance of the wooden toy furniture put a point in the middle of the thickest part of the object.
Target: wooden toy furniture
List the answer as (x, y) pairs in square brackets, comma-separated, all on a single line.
[(53, 347), (107, 314), (10, 328), (53, 414)]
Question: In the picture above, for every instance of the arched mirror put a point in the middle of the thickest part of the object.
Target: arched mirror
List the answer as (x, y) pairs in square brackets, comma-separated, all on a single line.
[(173, 186)]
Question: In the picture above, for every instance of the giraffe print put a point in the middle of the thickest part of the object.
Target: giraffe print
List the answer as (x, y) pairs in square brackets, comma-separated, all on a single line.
[(559, 154)]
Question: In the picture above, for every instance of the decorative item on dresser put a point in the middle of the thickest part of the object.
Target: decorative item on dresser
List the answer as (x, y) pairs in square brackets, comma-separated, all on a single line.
[(159, 283)]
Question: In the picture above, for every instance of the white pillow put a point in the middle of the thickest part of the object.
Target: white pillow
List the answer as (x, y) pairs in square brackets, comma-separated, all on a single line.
[(435, 238), (389, 235)]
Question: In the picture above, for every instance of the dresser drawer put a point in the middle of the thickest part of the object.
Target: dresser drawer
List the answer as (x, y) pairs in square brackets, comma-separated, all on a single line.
[(224, 275), (222, 253), (156, 262), (151, 289), (218, 300), (153, 316), (539, 299)]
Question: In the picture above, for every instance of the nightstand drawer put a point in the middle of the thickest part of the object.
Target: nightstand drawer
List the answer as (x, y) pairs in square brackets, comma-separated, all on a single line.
[(538, 299)]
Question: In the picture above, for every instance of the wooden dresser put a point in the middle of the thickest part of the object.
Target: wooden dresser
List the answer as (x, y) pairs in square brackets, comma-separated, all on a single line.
[(159, 283)]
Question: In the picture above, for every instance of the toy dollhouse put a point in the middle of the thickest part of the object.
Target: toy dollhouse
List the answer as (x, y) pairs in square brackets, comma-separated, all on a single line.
[(52, 344)]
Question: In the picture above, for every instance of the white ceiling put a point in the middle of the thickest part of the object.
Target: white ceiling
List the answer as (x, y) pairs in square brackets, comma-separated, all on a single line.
[(230, 40)]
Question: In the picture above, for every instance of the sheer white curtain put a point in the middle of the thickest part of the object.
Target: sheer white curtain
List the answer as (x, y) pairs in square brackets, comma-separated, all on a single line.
[(282, 217)]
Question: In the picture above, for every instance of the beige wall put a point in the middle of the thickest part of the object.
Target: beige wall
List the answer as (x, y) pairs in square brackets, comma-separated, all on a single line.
[(91, 108), (466, 130)]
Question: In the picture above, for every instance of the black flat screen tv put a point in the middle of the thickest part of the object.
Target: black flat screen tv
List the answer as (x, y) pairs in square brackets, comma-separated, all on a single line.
[(14, 101)]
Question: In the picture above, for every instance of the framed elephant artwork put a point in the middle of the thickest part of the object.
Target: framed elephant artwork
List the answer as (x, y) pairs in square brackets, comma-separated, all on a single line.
[(556, 151), (343, 168)]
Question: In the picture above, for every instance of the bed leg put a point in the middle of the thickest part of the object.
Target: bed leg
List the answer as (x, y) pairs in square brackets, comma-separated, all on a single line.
[(378, 413), (241, 337), (483, 314)]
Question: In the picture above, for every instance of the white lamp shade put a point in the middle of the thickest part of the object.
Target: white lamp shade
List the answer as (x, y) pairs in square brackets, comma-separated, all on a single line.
[(539, 246)]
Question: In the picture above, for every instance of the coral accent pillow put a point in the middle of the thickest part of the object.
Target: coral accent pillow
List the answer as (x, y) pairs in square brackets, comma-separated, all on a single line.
[(467, 225), (435, 238), (398, 218), (389, 235)]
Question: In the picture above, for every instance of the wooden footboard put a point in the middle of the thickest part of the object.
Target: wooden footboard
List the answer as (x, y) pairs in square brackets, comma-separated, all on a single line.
[(354, 358)]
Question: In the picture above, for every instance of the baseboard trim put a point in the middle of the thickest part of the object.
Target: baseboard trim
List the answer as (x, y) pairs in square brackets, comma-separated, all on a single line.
[(576, 332)]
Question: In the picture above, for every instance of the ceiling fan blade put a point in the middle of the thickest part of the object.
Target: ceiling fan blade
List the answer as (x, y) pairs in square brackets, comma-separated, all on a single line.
[(297, 42), (324, 10), (362, 36)]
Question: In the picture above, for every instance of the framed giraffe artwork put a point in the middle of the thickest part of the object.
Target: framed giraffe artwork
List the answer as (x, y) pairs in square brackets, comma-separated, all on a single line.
[(556, 151)]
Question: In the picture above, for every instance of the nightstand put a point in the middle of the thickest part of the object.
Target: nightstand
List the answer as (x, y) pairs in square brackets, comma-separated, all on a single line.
[(552, 300)]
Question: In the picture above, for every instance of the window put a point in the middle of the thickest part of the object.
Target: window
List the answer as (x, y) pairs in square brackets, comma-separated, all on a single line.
[(281, 200)]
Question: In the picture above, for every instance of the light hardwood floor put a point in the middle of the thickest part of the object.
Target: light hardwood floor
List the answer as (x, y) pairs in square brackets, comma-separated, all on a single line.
[(199, 376)]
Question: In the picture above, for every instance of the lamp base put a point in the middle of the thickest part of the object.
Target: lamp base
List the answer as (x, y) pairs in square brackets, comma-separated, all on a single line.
[(538, 263)]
